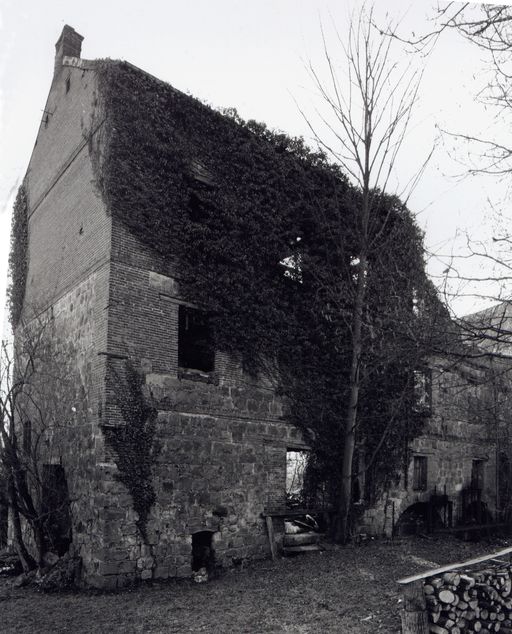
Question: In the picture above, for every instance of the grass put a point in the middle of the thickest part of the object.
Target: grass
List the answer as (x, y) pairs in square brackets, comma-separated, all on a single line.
[(351, 590)]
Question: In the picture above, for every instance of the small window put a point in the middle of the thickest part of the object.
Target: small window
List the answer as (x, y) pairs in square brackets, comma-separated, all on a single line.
[(423, 391), (68, 84), (200, 173), (27, 436), (419, 479), (477, 474), (292, 264), (195, 340)]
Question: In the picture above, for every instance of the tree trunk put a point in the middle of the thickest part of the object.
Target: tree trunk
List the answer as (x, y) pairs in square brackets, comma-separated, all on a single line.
[(26, 559), (38, 531), (341, 529)]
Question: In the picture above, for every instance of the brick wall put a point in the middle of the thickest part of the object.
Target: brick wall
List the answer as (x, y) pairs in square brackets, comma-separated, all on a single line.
[(68, 282)]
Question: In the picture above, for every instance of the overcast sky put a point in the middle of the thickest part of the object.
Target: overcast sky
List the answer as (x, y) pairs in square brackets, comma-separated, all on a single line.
[(251, 56)]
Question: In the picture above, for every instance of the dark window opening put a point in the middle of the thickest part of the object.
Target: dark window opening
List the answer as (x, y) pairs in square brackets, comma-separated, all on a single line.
[(27, 436), (504, 484), (477, 474), (68, 84), (55, 508), (203, 555), (199, 210), (419, 477), (195, 340)]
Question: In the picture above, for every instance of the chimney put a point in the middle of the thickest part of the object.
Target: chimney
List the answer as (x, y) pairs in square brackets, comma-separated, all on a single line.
[(69, 44)]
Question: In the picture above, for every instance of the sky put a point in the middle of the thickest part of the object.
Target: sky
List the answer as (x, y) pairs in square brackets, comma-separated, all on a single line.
[(253, 56)]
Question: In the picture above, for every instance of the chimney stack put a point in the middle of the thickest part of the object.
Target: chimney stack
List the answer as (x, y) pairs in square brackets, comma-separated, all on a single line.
[(69, 44)]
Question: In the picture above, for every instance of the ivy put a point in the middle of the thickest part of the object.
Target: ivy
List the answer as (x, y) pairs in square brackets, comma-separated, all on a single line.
[(227, 201), (18, 257), (133, 442)]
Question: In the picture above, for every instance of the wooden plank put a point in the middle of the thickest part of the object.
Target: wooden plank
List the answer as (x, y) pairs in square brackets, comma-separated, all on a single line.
[(414, 615), (271, 538), (454, 566)]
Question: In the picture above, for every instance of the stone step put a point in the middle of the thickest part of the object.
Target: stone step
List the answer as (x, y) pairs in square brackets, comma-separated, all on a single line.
[(306, 548), (300, 539)]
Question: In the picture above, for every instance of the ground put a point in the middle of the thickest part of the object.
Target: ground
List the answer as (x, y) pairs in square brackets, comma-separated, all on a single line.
[(350, 589)]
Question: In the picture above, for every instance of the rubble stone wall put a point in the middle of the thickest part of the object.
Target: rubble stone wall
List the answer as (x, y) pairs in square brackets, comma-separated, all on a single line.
[(457, 432), (221, 438)]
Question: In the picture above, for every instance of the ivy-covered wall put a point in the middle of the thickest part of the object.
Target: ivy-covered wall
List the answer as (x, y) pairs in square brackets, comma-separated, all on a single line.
[(18, 257), (226, 201)]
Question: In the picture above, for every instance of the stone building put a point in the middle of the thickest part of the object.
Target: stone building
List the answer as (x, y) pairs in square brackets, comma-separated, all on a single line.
[(452, 478), (222, 439)]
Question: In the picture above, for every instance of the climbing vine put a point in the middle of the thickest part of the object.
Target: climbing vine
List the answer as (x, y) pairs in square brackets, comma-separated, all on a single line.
[(18, 257), (133, 441), (229, 201)]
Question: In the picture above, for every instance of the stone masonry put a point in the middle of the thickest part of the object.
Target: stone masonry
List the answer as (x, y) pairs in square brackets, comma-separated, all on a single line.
[(222, 440)]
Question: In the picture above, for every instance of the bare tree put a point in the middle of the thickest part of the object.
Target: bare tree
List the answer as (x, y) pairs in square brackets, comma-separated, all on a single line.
[(362, 124), (39, 395)]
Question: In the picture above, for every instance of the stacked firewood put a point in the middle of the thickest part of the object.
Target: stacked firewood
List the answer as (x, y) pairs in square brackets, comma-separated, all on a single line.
[(470, 601)]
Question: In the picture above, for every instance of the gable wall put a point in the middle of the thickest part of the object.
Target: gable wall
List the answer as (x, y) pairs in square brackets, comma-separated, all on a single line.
[(67, 283)]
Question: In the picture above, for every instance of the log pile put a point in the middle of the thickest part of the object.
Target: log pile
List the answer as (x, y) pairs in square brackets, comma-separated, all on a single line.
[(470, 601)]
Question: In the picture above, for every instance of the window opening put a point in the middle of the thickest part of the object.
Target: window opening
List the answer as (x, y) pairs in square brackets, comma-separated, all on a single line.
[(27, 436), (195, 340), (55, 507), (68, 84), (203, 555), (477, 474), (293, 264), (419, 479), (201, 173), (296, 464), (423, 391)]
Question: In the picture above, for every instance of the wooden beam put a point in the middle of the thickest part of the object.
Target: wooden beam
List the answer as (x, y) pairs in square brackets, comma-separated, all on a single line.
[(454, 566), (271, 538), (295, 512), (414, 615)]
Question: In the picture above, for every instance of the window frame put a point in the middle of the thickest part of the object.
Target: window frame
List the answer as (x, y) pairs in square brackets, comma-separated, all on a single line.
[(188, 349), (420, 473)]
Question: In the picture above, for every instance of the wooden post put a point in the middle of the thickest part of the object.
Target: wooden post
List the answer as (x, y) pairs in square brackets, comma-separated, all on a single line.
[(393, 521), (414, 614), (271, 539)]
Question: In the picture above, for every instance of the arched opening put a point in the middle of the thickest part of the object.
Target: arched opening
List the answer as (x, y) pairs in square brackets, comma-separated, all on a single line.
[(420, 517), (203, 554)]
